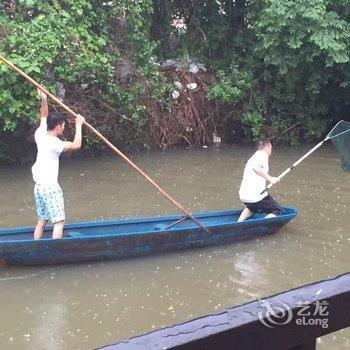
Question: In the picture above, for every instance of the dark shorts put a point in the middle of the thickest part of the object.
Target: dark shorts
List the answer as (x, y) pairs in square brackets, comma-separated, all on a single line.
[(266, 205)]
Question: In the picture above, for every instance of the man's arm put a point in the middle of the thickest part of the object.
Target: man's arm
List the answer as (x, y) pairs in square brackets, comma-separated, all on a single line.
[(44, 109), (76, 144), (267, 177)]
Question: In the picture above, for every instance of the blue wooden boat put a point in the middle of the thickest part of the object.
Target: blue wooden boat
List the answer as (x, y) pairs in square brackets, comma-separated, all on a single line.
[(125, 238)]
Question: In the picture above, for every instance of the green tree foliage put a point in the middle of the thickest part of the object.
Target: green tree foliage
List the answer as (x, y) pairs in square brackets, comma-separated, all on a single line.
[(305, 47), (74, 48), (51, 43), (276, 62)]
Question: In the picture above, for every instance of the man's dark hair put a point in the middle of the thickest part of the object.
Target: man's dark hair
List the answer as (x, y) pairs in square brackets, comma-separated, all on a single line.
[(262, 143), (54, 119)]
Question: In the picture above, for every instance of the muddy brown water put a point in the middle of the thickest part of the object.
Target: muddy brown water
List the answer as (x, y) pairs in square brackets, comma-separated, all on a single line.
[(89, 305)]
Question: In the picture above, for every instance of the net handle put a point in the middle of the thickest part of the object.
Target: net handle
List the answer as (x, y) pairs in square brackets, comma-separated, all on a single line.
[(296, 163), (328, 137)]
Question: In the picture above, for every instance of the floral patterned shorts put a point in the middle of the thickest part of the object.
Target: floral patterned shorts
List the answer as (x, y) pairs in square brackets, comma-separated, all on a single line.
[(49, 202)]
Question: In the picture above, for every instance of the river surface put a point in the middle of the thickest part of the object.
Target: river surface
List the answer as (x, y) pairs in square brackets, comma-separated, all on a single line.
[(88, 305)]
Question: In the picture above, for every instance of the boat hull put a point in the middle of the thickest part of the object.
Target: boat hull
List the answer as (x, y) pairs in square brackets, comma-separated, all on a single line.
[(120, 239)]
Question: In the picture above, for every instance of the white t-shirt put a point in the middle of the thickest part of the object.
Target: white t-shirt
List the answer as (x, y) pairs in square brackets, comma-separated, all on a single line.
[(253, 184), (45, 168)]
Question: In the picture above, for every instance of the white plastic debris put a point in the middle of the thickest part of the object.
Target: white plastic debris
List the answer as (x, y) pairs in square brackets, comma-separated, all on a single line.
[(175, 94), (172, 64), (192, 86), (153, 60), (190, 65), (180, 24), (178, 84), (193, 68), (216, 138), (201, 66)]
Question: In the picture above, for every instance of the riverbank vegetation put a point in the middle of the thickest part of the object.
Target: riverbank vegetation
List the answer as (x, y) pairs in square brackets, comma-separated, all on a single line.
[(166, 73)]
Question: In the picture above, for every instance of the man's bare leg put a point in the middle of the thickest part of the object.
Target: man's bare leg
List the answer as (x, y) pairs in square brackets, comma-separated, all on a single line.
[(39, 229), (246, 213), (58, 230)]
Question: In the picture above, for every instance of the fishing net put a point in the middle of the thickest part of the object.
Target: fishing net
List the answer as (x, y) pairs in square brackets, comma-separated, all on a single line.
[(340, 137)]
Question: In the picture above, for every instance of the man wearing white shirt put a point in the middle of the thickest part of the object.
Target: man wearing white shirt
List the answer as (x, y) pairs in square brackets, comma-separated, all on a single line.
[(47, 192), (256, 173)]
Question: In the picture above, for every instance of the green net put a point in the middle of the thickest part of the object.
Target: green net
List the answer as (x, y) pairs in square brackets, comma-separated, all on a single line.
[(340, 137)]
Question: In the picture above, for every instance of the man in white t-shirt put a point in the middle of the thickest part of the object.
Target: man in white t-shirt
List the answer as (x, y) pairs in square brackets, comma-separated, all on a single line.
[(47, 192), (251, 192)]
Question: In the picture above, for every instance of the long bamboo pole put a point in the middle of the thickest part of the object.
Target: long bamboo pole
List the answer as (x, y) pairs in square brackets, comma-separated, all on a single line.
[(108, 143)]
